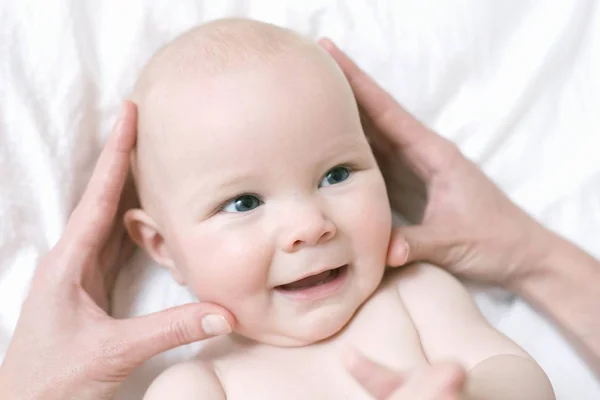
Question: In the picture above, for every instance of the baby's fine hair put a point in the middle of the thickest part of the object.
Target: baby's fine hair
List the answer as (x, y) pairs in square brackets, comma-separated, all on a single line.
[(220, 46)]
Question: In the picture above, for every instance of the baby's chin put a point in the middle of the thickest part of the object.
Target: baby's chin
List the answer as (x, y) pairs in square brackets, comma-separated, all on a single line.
[(293, 328), (304, 333)]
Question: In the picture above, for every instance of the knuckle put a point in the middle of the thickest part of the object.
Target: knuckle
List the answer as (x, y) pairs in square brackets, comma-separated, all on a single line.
[(105, 204), (451, 152), (178, 331), (387, 116), (82, 230), (446, 154), (54, 268)]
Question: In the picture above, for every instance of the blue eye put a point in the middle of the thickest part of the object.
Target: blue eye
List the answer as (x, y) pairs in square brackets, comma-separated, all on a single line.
[(242, 203), (335, 176)]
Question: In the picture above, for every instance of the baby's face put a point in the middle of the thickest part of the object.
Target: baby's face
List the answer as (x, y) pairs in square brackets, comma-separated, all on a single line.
[(276, 208)]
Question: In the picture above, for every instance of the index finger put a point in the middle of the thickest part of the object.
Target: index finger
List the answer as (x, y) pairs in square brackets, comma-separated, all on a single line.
[(404, 133), (92, 219)]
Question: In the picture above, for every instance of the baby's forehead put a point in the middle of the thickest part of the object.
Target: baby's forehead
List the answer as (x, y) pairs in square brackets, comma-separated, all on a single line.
[(220, 57)]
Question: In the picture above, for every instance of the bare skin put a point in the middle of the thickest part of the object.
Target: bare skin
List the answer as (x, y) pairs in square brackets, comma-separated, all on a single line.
[(443, 381)]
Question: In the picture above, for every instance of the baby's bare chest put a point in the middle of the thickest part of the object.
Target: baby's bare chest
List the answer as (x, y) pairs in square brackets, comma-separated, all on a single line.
[(382, 330)]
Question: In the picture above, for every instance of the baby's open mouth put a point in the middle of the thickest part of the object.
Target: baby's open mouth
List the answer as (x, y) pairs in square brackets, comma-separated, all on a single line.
[(314, 280)]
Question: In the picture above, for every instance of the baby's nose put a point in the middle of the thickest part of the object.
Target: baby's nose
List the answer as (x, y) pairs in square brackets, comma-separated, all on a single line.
[(306, 227)]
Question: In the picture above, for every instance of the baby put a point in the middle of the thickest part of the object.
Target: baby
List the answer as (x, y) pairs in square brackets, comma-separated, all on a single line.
[(259, 191)]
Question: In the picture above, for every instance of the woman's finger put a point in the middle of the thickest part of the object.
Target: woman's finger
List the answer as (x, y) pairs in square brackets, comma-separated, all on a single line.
[(418, 243), (92, 219), (377, 380), (408, 136), (153, 334), (118, 245)]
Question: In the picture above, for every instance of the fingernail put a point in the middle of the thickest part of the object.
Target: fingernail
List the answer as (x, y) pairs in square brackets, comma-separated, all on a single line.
[(398, 255), (406, 250), (215, 325)]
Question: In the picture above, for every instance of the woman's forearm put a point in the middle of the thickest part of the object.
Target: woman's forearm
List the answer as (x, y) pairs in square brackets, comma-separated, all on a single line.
[(565, 284)]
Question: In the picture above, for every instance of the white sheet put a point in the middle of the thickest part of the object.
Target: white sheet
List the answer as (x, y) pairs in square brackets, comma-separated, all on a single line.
[(515, 83)]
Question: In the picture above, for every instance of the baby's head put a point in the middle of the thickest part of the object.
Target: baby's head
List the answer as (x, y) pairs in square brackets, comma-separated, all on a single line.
[(258, 187)]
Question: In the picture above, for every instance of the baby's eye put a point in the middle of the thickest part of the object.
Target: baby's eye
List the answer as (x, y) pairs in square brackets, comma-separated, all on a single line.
[(243, 203), (335, 175)]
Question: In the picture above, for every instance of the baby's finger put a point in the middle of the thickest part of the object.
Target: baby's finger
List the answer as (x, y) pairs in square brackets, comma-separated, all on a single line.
[(92, 220), (376, 379), (410, 137)]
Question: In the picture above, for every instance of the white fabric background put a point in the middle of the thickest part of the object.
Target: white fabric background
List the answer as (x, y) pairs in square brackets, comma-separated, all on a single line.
[(515, 83)]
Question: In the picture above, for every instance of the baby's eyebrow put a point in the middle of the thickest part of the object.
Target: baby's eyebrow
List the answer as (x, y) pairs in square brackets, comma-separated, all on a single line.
[(351, 148), (232, 181), (225, 184), (215, 187)]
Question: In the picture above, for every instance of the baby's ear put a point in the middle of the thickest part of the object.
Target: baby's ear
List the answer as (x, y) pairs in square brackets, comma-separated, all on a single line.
[(144, 232)]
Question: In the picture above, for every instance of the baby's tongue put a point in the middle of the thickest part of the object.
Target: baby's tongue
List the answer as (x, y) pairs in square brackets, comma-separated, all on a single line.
[(308, 281)]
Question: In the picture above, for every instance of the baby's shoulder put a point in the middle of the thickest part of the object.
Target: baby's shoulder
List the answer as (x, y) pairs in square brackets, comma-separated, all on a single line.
[(192, 380), (434, 298), (425, 288), (419, 279), (412, 283), (403, 291)]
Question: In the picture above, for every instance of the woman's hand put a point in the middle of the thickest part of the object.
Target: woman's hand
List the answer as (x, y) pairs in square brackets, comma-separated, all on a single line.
[(435, 382), (463, 221), (467, 225), (65, 345)]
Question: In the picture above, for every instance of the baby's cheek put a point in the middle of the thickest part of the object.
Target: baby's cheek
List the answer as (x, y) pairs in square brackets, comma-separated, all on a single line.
[(372, 225), (226, 269), (373, 218)]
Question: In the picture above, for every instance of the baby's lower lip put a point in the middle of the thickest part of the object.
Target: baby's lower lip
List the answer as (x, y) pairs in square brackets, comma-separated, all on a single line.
[(328, 286)]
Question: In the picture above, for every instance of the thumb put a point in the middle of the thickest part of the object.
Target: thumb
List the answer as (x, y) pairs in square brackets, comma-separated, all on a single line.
[(416, 243), (155, 333)]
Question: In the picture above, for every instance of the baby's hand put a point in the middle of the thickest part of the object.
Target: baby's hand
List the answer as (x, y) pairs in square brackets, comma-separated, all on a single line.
[(429, 382)]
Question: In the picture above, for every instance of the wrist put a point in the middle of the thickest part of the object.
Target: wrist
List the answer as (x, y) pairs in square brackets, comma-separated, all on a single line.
[(536, 259), (546, 263), (564, 285)]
